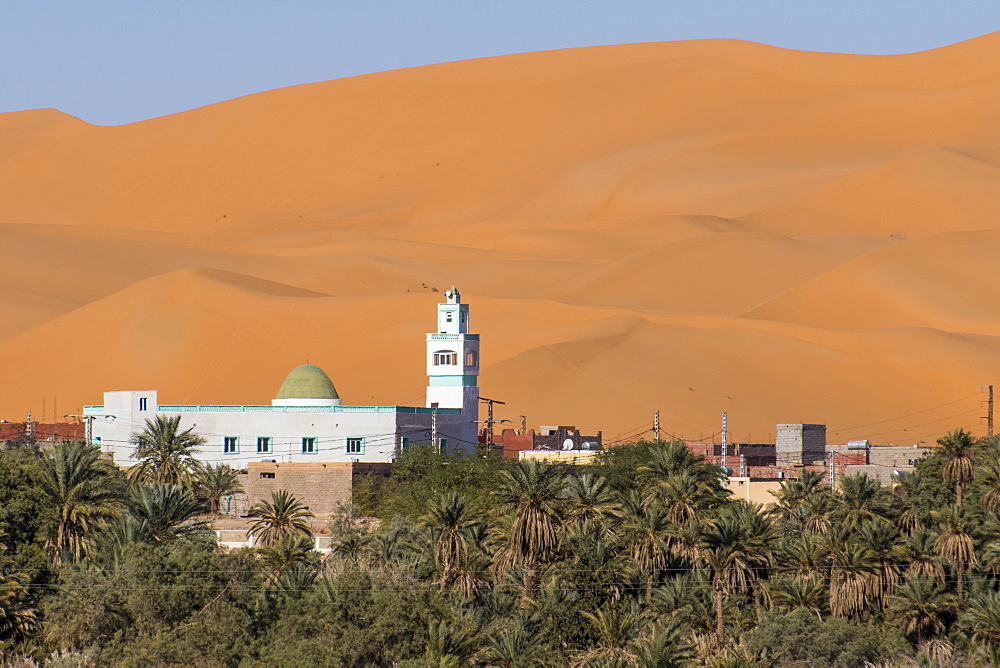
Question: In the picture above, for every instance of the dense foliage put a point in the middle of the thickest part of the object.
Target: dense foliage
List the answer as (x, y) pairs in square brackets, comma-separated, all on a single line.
[(639, 559)]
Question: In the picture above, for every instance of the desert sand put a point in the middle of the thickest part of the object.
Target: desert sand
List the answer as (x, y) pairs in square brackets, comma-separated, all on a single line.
[(690, 227)]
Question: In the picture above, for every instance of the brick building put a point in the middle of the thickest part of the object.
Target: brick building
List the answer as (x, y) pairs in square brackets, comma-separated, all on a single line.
[(42, 433), (512, 443), (320, 486)]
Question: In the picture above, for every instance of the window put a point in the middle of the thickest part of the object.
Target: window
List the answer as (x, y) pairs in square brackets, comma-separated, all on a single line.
[(443, 446), (470, 358), (447, 317), (230, 445), (308, 445), (97, 441), (355, 446), (445, 357), (142, 403), (267, 475), (264, 444), (404, 443)]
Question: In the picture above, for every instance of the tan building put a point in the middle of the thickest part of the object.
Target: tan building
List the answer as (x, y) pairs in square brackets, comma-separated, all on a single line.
[(320, 486), (755, 491)]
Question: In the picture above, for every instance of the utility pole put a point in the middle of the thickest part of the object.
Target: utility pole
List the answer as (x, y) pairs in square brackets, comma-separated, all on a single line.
[(743, 465), (29, 428), (833, 471), (656, 426), (434, 428), (725, 437), (489, 418), (989, 412), (89, 421)]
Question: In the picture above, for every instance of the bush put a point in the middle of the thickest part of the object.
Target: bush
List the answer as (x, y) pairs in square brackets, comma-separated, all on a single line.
[(801, 637)]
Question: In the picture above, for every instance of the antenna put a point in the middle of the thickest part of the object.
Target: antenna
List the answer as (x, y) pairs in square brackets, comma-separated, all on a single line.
[(725, 435)]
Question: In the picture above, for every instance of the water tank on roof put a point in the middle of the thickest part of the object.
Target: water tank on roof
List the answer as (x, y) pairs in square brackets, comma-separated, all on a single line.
[(858, 445), (591, 445), (728, 470)]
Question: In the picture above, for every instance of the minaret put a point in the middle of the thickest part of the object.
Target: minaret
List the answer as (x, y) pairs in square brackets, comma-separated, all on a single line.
[(453, 364)]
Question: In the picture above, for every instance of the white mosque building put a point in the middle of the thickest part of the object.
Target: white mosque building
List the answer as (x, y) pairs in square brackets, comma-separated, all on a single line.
[(308, 422)]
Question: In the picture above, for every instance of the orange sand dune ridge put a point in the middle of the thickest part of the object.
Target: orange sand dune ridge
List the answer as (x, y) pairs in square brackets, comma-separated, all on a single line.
[(690, 227)]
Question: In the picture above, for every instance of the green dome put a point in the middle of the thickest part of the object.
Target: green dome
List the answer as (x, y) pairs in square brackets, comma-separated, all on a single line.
[(307, 382)]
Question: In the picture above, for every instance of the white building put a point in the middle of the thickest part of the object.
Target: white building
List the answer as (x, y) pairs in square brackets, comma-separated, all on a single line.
[(307, 421)]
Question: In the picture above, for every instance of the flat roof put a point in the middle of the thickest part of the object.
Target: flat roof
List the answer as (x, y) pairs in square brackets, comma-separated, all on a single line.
[(219, 408)]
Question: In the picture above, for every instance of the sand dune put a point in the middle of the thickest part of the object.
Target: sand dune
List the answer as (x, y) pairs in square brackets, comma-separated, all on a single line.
[(691, 227)]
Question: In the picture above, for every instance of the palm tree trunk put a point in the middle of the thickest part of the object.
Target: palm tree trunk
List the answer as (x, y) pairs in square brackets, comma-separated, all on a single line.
[(961, 582), (958, 494), (649, 585), (756, 602), (530, 578), (720, 623)]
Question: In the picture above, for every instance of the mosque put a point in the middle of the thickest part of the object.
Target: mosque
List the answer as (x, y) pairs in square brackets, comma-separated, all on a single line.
[(308, 422)]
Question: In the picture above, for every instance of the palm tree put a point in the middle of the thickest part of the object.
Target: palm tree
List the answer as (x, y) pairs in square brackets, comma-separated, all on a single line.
[(82, 489), (802, 592), (533, 492), (588, 497), (861, 500), (669, 459), (958, 447), (918, 550), (519, 646), (166, 454), (804, 553), (165, 510), (688, 600), (983, 617), (955, 544), (17, 619), (793, 493), (989, 477), (664, 647), (816, 511), (351, 548), (615, 627), (283, 514), (855, 579), (291, 550), (106, 547), (215, 482), (922, 608), (450, 517), (645, 531), (882, 539), (737, 553), (683, 494), (450, 644)]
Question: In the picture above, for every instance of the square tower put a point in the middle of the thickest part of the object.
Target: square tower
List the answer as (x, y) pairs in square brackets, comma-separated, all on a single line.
[(453, 364)]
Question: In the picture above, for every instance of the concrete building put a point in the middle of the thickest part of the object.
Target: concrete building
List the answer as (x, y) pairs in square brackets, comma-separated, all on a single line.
[(886, 463), (800, 444), (307, 421), (569, 457)]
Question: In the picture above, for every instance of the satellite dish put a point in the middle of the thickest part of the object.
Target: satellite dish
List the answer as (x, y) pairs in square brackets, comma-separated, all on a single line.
[(568, 444)]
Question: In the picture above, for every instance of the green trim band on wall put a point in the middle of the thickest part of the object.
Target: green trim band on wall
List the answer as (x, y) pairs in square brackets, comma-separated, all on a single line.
[(453, 381)]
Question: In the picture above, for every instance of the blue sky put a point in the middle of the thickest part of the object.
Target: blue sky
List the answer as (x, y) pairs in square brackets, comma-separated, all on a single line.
[(118, 62)]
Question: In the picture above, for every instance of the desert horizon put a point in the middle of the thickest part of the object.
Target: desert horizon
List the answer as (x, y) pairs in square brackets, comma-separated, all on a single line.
[(690, 227)]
